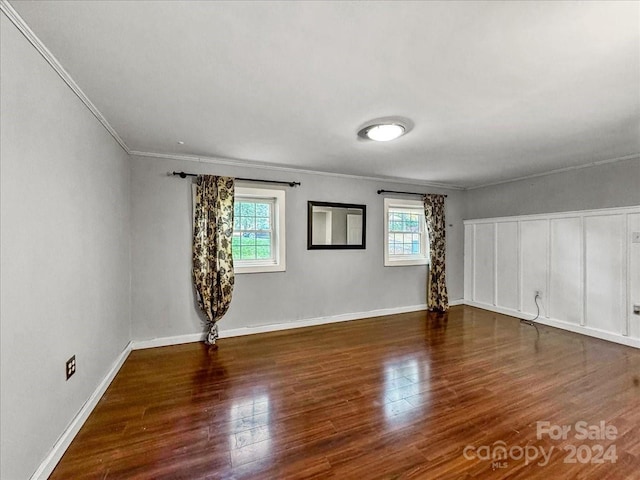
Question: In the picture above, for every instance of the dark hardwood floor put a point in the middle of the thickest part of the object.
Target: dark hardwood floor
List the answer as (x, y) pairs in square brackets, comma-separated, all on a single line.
[(405, 396)]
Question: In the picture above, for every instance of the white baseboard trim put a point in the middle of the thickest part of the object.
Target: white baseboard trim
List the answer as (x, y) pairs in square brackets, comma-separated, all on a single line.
[(49, 463), (51, 460), (310, 322), (274, 327), (167, 341), (552, 322)]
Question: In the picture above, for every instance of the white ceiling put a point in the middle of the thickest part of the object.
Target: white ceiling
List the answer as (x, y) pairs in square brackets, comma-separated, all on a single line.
[(496, 90)]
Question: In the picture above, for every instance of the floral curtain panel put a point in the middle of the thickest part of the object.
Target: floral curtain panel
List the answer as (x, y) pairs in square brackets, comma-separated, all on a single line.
[(437, 297), (212, 260)]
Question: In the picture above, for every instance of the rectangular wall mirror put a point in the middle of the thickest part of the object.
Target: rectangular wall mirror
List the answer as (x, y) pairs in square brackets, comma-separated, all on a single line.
[(332, 226)]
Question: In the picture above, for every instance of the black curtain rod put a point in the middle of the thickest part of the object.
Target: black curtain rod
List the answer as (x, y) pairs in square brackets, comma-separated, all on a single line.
[(404, 193), (279, 182)]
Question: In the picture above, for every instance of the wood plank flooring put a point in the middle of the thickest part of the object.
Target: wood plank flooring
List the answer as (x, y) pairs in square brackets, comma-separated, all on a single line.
[(402, 396)]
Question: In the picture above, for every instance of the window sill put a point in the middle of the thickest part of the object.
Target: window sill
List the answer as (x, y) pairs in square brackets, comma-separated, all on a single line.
[(406, 263), (258, 269)]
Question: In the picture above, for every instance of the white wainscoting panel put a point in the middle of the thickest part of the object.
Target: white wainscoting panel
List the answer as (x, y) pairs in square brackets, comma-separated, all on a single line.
[(484, 267), (565, 285), (508, 265), (633, 288), (534, 246), (469, 238), (605, 260), (585, 264)]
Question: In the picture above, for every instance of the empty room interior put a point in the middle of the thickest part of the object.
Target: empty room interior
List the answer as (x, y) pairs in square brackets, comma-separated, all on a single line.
[(286, 240)]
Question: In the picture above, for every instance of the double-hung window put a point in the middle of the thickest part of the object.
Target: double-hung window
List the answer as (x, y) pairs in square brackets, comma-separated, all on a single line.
[(258, 230), (405, 235)]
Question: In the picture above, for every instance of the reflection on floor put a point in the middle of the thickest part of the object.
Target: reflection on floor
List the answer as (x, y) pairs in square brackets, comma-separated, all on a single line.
[(418, 395)]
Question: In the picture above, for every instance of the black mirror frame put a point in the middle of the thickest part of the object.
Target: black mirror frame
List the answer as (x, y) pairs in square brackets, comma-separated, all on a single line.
[(310, 246)]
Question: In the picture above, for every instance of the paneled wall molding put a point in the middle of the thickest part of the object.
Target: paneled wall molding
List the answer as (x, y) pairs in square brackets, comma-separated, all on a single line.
[(495, 264), (628, 293), (583, 272), (583, 263), (549, 216), (552, 322)]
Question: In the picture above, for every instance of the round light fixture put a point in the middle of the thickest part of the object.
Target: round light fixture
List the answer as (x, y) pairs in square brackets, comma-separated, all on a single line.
[(382, 132)]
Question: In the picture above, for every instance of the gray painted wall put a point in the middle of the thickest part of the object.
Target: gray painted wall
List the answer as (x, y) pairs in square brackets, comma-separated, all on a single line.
[(602, 186), (316, 284), (65, 254), (95, 249)]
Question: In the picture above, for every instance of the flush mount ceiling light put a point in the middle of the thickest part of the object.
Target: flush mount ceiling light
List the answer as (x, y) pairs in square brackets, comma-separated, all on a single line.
[(383, 130)]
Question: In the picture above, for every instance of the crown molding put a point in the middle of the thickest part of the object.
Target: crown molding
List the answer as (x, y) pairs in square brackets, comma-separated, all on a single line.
[(21, 25), (26, 31), (279, 168), (558, 170)]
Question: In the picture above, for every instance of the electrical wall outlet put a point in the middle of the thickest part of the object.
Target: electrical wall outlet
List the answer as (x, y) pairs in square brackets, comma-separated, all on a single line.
[(635, 237), (636, 309), (71, 367), (539, 293)]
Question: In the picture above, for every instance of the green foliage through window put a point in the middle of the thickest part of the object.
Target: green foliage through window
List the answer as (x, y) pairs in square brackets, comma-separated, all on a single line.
[(253, 230)]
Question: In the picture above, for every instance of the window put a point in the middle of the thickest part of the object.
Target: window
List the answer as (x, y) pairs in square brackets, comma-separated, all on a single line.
[(405, 233), (258, 230)]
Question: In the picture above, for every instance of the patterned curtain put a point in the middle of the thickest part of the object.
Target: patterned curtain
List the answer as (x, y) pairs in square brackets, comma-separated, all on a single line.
[(212, 261), (437, 298)]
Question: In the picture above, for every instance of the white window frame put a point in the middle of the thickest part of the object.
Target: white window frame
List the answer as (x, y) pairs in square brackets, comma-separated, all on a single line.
[(278, 263), (405, 260)]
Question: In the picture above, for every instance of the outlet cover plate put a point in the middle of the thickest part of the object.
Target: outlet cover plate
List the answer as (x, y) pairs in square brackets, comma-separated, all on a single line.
[(71, 367)]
